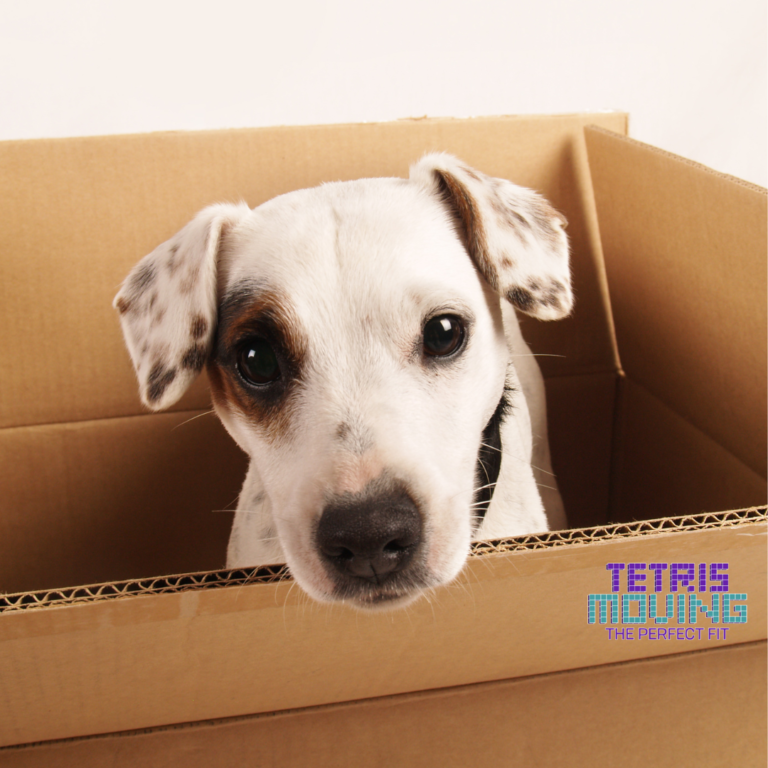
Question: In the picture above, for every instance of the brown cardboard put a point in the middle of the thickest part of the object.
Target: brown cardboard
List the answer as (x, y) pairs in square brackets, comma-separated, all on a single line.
[(687, 472), (685, 249), (645, 423), (571, 718), (199, 654)]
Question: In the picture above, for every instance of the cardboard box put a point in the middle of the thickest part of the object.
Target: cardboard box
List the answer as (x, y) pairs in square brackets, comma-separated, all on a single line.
[(657, 400)]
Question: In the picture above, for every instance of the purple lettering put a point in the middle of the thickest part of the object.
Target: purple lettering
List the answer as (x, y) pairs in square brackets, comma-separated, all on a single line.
[(658, 568), (721, 578), (615, 568), (633, 577), (681, 574)]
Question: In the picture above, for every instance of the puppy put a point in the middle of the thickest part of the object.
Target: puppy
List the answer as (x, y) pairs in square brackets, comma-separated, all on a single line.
[(362, 347)]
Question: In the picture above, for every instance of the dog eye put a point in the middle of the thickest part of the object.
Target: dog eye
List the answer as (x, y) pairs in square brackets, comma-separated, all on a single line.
[(443, 335), (257, 362)]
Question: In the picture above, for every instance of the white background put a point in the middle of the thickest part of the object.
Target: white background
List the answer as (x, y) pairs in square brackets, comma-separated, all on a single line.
[(691, 73)]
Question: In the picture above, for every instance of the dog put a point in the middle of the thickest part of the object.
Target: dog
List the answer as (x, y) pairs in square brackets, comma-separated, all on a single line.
[(362, 348)]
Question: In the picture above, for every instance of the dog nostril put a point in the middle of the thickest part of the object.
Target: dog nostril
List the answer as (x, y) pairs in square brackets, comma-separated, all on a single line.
[(398, 545), (370, 537), (339, 553), (336, 552)]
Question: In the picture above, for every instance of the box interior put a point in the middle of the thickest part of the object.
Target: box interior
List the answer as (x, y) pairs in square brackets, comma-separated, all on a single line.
[(97, 490)]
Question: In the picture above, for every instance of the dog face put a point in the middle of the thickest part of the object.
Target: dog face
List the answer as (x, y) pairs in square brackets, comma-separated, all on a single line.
[(354, 341)]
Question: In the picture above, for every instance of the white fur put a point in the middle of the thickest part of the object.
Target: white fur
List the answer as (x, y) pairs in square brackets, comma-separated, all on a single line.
[(362, 264)]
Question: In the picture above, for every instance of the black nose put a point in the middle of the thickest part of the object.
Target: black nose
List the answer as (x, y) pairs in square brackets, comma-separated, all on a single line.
[(369, 537)]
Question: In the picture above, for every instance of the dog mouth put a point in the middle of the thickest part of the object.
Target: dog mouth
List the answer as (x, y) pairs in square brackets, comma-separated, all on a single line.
[(385, 602), (394, 591)]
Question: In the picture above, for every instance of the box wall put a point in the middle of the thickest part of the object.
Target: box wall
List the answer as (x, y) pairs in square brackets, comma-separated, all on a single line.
[(684, 249), (665, 466), (576, 718), (115, 499), (185, 656)]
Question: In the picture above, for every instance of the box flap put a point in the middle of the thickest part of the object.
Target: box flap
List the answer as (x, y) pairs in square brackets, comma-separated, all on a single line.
[(679, 257)]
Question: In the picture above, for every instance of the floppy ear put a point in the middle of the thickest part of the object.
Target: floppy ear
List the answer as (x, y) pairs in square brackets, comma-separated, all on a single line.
[(167, 306), (515, 238)]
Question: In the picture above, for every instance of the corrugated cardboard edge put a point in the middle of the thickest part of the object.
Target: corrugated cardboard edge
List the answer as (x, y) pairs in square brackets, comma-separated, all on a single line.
[(207, 580), (530, 116)]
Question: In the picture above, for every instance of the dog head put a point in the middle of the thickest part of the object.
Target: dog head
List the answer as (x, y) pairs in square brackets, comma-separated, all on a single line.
[(355, 347)]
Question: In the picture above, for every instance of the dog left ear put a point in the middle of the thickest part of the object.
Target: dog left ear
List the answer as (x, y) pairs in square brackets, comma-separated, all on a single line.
[(167, 305), (515, 238)]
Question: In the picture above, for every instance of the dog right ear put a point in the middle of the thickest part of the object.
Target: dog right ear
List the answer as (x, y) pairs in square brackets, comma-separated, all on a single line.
[(167, 306), (515, 238)]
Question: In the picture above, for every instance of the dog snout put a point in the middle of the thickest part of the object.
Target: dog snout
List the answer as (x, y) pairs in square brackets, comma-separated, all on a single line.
[(370, 538)]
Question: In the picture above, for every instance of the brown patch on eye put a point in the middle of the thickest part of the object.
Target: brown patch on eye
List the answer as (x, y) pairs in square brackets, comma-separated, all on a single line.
[(464, 205), (216, 382), (199, 327), (256, 313), (159, 379)]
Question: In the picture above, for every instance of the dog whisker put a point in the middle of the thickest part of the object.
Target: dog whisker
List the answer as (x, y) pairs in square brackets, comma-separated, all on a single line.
[(538, 354), (487, 476), (471, 491), (540, 469), (197, 416), (478, 504), (533, 466), (482, 488)]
